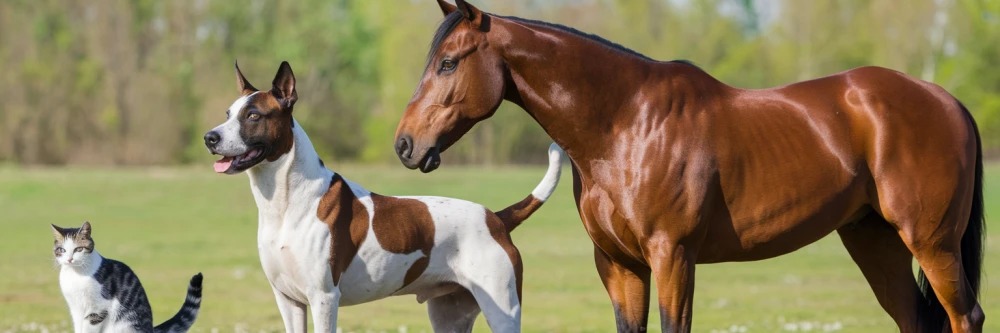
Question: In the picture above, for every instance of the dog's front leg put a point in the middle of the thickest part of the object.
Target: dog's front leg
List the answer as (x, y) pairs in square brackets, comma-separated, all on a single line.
[(324, 307), (293, 312)]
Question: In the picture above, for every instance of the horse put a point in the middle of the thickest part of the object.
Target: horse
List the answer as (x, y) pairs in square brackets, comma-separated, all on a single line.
[(673, 168)]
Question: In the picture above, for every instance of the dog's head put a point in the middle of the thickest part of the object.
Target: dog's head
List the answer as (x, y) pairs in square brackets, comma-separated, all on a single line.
[(258, 125)]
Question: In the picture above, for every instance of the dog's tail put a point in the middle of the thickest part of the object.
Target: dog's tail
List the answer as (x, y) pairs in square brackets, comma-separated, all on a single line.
[(182, 321), (515, 214)]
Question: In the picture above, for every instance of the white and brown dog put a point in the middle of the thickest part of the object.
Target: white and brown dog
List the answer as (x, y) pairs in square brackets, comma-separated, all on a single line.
[(326, 242)]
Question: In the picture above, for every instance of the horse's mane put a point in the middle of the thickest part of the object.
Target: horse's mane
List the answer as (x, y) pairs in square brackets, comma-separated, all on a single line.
[(452, 20)]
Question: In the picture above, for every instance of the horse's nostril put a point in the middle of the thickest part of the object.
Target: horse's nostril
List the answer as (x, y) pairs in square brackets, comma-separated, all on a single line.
[(404, 147)]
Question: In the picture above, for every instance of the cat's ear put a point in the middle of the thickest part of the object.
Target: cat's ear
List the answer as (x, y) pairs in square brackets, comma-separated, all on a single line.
[(85, 229), (57, 232)]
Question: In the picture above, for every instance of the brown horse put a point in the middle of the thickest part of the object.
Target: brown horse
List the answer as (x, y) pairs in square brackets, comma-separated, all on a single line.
[(673, 168)]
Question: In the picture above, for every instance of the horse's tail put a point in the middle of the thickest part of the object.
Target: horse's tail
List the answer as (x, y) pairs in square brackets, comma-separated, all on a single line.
[(515, 214), (971, 246)]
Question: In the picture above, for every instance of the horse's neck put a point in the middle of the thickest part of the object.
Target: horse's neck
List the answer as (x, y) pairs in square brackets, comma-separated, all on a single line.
[(564, 103), (574, 87)]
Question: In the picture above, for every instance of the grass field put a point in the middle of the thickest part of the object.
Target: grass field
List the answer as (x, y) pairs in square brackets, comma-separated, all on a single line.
[(168, 224)]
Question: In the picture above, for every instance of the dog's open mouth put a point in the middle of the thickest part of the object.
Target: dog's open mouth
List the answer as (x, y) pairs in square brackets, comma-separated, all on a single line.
[(239, 163)]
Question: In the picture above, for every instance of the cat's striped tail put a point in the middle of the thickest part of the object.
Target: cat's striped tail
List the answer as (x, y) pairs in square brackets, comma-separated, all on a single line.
[(182, 321)]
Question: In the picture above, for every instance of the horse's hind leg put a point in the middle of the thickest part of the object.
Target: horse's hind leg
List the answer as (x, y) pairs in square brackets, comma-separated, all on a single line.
[(453, 313), (933, 230), (886, 264), (940, 258)]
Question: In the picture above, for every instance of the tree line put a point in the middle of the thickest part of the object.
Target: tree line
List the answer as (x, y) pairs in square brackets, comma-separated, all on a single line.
[(138, 82)]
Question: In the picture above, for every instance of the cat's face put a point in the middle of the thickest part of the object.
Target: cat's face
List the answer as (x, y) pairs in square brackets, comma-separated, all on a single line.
[(73, 246)]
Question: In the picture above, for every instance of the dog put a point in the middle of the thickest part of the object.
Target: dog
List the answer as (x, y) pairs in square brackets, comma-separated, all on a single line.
[(326, 242)]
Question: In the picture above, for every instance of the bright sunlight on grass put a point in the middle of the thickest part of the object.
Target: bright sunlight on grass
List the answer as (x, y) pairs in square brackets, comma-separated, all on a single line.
[(169, 224)]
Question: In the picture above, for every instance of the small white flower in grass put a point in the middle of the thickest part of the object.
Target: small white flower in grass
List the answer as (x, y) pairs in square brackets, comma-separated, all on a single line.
[(833, 327), (239, 273), (402, 329), (806, 326), (215, 330), (791, 327), (340, 330), (720, 303)]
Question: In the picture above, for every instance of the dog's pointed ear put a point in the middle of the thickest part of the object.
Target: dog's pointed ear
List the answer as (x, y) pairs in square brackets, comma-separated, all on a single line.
[(241, 82), (283, 86), (446, 7), (475, 16)]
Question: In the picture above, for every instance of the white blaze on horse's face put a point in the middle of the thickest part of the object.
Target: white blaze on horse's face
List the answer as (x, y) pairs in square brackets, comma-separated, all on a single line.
[(230, 141)]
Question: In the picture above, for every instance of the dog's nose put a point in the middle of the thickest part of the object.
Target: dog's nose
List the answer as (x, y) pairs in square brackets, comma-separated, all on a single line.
[(404, 147), (211, 139)]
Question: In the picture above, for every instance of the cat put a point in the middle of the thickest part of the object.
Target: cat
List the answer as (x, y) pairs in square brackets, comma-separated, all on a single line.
[(104, 295)]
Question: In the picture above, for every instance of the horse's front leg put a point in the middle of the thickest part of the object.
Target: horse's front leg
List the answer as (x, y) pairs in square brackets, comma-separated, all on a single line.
[(628, 287), (673, 271)]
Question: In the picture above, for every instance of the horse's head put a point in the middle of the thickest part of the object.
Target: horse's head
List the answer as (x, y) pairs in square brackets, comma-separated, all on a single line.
[(462, 85)]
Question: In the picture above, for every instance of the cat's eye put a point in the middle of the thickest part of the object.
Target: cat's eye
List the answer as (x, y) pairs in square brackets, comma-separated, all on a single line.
[(79, 249), (60, 250)]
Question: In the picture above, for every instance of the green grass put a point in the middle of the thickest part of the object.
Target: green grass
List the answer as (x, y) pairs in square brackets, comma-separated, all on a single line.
[(168, 224)]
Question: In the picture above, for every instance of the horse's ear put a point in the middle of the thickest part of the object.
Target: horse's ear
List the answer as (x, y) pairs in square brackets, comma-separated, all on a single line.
[(475, 16), (241, 82), (446, 7), (283, 86)]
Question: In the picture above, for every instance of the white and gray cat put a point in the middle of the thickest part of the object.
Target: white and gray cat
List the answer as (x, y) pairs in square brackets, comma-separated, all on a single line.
[(104, 295)]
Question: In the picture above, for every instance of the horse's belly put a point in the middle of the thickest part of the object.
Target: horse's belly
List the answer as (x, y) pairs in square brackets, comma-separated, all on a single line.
[(748, 239)]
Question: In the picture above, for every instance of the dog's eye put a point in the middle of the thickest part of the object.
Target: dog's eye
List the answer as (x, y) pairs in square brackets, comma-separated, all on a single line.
[(253, 116), (227, 114), (448, 65)]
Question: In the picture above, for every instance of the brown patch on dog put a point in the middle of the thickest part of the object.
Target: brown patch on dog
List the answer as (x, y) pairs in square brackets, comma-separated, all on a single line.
[(515, 214), (499, 232), (415, 270), (348, 222), (404, 226), (274, 127)]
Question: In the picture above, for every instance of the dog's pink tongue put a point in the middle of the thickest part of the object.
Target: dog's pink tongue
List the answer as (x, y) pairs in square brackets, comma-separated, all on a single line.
[(223, 164)]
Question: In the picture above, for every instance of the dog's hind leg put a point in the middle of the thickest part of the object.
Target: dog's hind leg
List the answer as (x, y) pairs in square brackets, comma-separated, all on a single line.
[(453, 313), (498, 296)]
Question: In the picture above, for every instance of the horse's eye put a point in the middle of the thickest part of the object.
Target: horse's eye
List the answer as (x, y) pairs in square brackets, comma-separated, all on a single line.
[(448, 65)]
